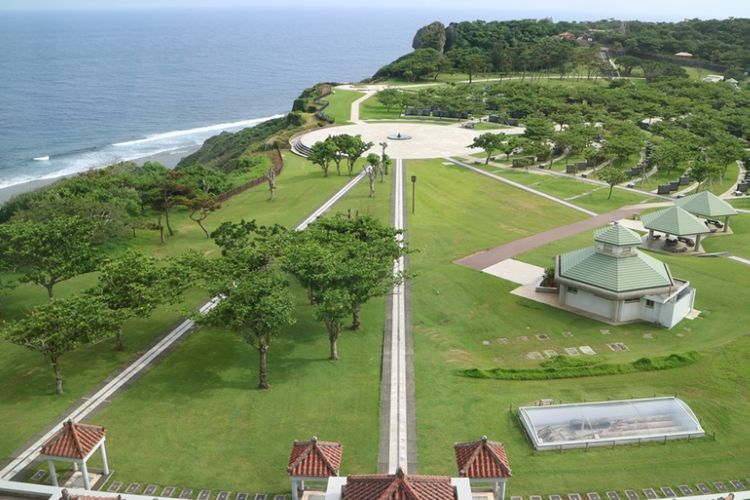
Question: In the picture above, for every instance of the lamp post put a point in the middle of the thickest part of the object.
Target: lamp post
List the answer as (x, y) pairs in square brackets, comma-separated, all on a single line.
[(413, 192)]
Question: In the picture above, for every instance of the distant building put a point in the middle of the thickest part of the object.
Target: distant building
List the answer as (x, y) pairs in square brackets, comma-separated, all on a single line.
[(567, 36), (713, 79), (615, 282), (684, 54)]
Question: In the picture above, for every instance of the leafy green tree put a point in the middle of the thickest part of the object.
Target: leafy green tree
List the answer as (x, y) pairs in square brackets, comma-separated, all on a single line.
[(612, 176), (133, 285), (332, 307), (60, 326), (489, 142), (322, 153), (703, 170), (353, 147), (627, 64), (167, 192), (667, 155), (470, 61), (511, 144), (390, 98), (538, 129), (258, 305), (46, 253)]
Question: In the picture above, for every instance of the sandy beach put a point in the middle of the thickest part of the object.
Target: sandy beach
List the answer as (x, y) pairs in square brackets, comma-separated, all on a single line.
[(170, 159)]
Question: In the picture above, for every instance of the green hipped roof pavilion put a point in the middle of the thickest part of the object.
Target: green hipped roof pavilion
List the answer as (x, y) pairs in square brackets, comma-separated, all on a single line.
[(625, 273), (617, 235), (675, 221), (707, 204)]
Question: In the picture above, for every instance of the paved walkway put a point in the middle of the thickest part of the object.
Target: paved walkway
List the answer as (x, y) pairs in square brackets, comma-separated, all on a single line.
[(487, 258), (92, 402), (398, 422), (516, 271), (354, 113)]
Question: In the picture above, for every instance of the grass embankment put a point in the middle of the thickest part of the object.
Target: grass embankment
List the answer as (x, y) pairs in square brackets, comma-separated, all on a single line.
[(570, 367), (340, 105), (463, 319), (27, 399)]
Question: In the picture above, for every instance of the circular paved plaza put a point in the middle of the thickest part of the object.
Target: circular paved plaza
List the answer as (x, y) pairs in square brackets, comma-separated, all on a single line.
[(427, 140)]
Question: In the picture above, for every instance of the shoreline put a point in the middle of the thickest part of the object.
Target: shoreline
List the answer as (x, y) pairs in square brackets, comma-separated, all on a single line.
[(169, 159)]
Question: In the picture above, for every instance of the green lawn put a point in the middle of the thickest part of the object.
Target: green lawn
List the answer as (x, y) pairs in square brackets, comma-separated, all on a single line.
[(462, 318), (340, 105), (27, 400), (584, 194), (737, 243), (371, 109)]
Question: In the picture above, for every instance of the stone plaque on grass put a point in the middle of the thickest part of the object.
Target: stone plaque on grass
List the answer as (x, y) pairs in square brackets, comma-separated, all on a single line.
[(260, 496), (535, 497), (567, 335), (241, 496), (667, 491), (535, 355), (168, 491), (650, 493), (150, 490), (223, 495), (720, 486), (685, 490), (587, 350), (38, 475), (703, 488), (204, 494), (574, 496), (737, 484), (115, 487), (572, 351), (592, 495), (132, 487), (516, 498), (550, 353), (631, 494), (186, 493), (542, 336), (613, 495), (554, 497)]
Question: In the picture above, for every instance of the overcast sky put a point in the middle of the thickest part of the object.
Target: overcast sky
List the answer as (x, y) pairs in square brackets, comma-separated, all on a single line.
[(570, 9)]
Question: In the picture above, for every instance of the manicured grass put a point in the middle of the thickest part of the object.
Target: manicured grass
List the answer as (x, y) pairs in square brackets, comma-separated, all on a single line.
[(340, 105), (461, 316), (27, 401), (371, 109), (737, 243), (721, 186), (489, 126), (584, 194), (196, 420)]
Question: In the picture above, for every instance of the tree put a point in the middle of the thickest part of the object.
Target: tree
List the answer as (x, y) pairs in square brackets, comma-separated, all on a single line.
[(258, 305), (271, 179), (612, 175), (373, 161), (60, 326), (203, 186), (667, 155), (489, 142), (200, 208), (510, 145), (322, 152), (702, 170), (333, 306), (353, 147), (627, 64), (46, 253), (538, 129), (390, 98), (133, 285), (166, 193), (471, 61)]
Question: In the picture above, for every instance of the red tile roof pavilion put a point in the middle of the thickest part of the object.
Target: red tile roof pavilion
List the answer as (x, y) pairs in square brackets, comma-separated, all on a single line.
[(74, 441), (482, 459), (315, 459), (398, 487)]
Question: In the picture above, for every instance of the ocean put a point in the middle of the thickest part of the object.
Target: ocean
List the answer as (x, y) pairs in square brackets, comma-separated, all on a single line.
[(89, 88)]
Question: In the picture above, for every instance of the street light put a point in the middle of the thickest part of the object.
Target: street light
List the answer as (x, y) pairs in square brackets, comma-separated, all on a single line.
[(413, 192)]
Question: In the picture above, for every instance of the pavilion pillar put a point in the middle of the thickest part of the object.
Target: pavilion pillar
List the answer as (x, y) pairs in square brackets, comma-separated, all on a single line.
[(726, 223), (698, 241), (104, 458), (85, 472), (75, 466), (650, 234), (295, 490), (52, 472), (502, 490)]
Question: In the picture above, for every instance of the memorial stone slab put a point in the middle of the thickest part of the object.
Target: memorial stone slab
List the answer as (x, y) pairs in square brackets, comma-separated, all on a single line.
[(241, 496), (650, 493), (737, 484), (204, 494), (720, 486), (223, 495), (38, 475), (592, 495), (613, 495), (685, 490), (132, 487), (186, 493), (587, 350), (168, 491), (260, 496), (668, 492), (554, 497), (703, 488), (150, 490), (574, 496), (631, 494), (516, 498), (115, 487)]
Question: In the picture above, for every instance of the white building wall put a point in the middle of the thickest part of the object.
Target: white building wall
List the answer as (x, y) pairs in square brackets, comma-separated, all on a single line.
[(587, 301), (672, 313), (630, 311)]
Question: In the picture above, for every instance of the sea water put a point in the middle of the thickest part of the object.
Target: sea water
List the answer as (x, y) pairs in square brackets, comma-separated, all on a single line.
[(89, 88)]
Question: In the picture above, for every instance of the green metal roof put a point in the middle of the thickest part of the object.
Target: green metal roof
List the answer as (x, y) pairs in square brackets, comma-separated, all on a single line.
[(675, 221), (707, 204), (616, 274), (617, 235)]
